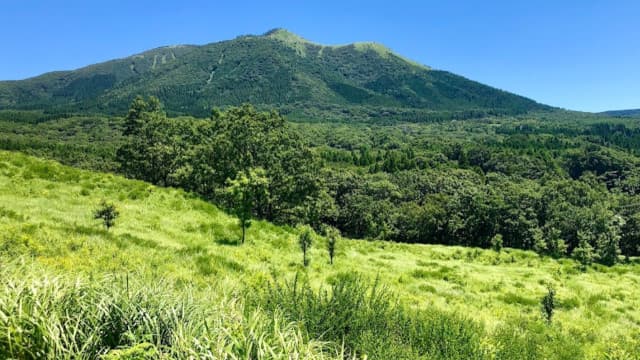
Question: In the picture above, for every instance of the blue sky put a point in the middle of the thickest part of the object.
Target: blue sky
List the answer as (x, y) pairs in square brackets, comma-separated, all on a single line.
[(580, 55)]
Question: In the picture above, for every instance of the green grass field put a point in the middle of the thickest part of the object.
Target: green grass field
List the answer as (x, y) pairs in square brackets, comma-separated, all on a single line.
[(169, 242)]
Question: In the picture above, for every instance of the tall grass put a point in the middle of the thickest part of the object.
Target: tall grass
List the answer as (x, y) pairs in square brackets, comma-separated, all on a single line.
[(58, 318), (368, 320)]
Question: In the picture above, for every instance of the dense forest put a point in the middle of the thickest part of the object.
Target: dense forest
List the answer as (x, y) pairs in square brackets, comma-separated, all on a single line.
[(559, 183)]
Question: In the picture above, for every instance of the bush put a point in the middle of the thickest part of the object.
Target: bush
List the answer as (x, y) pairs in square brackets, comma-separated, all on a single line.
[(106, 212), (305, 240), (332, 235), (549, 304), (496, 242)]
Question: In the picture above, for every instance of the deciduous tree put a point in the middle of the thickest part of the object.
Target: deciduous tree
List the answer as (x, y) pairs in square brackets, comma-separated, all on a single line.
[(244, 193)]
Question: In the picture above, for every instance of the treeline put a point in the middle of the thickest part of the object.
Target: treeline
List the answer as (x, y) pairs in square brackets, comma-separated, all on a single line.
[(544, 194), (461, 207), (32, 116), (320, 113), (88, 142), (601, 133)]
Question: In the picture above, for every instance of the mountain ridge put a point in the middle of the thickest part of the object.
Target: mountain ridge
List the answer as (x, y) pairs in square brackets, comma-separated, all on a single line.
[(623, 113), (278, 69)]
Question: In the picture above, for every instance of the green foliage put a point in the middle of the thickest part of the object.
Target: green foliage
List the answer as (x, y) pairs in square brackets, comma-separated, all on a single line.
[(497, 242), (151, 150), (207, 156), (244, 193), (305, 240), (523, 339), (608, 242), (332, 234), (106, 212), (624, 113), (549, 304), (536, 179), (83, 141), (143, 351), (138, 109), (583, 253)]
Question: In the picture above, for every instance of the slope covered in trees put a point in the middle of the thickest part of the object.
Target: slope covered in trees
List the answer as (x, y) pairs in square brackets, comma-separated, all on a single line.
[(624, 113), (562, 184), (557, 187), (275, 70)]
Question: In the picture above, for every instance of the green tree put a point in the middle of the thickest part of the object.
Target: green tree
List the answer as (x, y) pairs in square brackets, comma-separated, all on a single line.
[(149, 151), (554, 244), (244, 193), (305, 240), (243, 138), (496, 242), (549, 304), (138, 109), (201, 155), (608, 242), (332, 235), (583, 253), (106, 212), (630, 240)]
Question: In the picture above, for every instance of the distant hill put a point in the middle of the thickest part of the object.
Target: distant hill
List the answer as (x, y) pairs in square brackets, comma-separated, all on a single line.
[(278, 69), (623, 113)]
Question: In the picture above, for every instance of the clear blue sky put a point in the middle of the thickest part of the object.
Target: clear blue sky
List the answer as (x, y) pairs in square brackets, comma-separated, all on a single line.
[(581, 55)]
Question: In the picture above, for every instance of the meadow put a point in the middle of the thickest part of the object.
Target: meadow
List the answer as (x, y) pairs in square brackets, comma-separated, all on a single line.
[(172, 267)]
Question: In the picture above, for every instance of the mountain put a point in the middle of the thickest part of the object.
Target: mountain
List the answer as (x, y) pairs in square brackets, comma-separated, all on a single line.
[(277, 69), (623, 113)]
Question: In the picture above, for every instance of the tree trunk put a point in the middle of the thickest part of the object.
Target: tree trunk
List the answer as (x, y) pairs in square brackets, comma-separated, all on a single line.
[(243, 232)]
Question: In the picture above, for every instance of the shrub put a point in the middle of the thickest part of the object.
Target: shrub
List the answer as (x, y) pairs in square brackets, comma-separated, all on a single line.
[(305, 240), (332, 235), (497, 242), (106, 212), (548, 304)]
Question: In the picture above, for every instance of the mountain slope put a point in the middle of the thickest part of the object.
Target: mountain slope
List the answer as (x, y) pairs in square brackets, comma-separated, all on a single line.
[(623, 113), (277, 69)]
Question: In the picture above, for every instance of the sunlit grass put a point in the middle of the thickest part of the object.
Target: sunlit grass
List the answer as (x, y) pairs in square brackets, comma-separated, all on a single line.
[(169, 235)]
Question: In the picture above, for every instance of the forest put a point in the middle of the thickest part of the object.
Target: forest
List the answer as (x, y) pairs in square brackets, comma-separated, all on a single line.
[(563, 184)]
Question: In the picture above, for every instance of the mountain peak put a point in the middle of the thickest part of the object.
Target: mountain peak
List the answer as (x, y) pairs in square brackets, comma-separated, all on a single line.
[(298, 43), (292, 40)]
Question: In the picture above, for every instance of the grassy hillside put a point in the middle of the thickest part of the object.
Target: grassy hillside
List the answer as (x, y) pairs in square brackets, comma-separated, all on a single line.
[(186, 246), (278, 69)]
